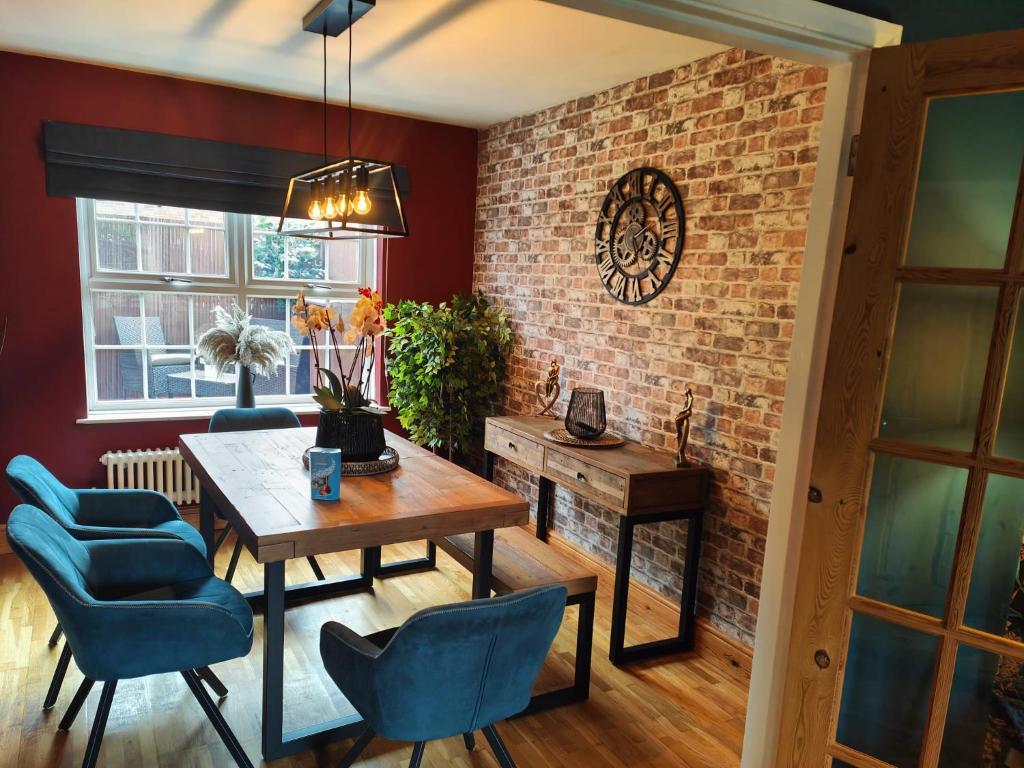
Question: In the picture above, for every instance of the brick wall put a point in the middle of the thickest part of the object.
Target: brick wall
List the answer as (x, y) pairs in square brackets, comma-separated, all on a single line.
[(738, 133)]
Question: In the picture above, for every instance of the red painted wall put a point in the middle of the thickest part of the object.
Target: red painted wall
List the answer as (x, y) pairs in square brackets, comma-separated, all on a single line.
[(42, 368)]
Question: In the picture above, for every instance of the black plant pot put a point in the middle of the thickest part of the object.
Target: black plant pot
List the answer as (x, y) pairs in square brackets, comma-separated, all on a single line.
[(359, 435)]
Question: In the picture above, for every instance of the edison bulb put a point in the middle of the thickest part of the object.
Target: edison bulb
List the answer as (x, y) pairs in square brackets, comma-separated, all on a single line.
[(330, 212), (314, 210), (362, 204), (341, 204)]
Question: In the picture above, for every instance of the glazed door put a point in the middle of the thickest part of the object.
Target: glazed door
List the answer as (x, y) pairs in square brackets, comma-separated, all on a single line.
[(908, 639)]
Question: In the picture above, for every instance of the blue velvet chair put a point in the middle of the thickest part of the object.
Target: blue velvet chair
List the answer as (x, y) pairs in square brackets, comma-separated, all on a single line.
[(133, 608), (99, 514), (447, 670), (247, 420)]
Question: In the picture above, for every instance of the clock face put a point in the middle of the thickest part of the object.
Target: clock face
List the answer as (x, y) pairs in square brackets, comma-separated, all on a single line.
[(639, 235)]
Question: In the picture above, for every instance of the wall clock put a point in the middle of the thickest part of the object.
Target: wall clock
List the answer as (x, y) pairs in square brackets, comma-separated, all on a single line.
[(639, 235)]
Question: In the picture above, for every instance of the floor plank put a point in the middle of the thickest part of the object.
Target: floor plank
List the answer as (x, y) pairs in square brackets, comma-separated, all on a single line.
[(680, 711)]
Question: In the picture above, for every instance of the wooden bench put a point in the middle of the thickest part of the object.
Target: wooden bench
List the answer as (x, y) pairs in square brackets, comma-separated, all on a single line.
[(522, 561)]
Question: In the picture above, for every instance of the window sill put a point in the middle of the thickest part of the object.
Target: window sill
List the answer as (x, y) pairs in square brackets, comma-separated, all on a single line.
[(177, 414)]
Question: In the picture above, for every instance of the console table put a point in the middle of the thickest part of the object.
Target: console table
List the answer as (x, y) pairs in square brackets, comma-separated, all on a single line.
[(640, 484)]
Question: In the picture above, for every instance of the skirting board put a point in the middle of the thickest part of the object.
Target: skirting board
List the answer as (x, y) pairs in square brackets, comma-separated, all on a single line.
[(190, 514), (711, 643)]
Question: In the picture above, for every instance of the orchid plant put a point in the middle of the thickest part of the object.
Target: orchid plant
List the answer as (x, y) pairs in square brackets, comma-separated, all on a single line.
[(348, 391)]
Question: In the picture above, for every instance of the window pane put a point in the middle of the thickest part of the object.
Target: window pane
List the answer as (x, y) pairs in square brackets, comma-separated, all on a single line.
[(343, 261), (305, 259), (118, 374), (117, 318), (968, 181), (937, 364), (985, 721), (116, 246), (887, 690), (267, 255), (115, 209), (208, 383), (994, 602), (167, 320), (208, 251), (163, 213), (1010, 438), (163, 249), (910, 533)]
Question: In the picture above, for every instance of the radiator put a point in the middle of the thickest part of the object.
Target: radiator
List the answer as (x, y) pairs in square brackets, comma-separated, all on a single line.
[(161, 470)]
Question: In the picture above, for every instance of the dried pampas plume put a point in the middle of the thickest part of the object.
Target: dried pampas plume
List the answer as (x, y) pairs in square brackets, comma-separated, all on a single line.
[(233, 338)]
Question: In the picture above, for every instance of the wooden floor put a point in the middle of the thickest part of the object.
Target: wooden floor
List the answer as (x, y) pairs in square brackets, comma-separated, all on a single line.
[(675, 712)]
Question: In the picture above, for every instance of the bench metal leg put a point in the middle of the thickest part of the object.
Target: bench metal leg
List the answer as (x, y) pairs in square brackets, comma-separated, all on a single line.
[(683, 641), (483, 563), (543, 506), (580, 688)]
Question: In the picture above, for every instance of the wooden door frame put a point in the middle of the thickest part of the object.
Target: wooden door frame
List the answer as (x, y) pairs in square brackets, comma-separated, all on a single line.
[(811, 33)]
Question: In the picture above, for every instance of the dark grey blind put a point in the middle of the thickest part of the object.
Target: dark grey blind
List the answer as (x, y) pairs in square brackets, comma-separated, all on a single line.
[(139, 166)]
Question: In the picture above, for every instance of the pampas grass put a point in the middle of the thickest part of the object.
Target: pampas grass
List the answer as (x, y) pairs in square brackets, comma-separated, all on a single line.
[(233, 338)]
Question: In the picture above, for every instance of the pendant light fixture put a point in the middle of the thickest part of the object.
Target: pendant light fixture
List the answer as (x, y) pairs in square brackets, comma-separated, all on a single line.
[(355, 198)]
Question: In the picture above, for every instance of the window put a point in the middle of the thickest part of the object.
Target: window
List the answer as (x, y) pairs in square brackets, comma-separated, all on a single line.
[(152, 276)]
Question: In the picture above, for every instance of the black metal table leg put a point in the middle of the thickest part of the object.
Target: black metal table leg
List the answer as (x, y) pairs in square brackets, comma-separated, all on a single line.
[(543, 505), (683, 641), (412, 565), (488, 466), (276, 742), (483, 559), (206, 529)]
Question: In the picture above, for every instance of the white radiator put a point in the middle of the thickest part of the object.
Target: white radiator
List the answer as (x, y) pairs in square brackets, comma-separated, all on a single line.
[(161, 470)]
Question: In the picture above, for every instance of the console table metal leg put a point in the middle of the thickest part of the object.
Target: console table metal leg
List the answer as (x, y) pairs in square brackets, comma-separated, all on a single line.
[(488, 466), (683, 641), (623, 561), (543, 505)]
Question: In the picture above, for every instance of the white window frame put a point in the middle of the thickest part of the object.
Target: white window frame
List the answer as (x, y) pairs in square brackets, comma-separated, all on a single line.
[(238, 283)]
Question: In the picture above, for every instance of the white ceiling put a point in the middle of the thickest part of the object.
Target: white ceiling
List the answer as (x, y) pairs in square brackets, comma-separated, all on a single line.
[(470, 62)]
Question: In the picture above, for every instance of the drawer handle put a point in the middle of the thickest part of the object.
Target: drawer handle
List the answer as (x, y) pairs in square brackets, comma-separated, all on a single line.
[(511, 445), (581, 477)]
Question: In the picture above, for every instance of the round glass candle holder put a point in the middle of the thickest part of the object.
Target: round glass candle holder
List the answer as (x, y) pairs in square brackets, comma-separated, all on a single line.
[(585, 417)]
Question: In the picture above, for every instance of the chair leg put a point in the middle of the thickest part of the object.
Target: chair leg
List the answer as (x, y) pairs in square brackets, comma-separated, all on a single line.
[(216, 718), (500, 750), (207, 676), (417, 754), (99, 725), (76, 705), (234, 562), (469, 739), (317, 571), (58, 677), (55, 637), (220, 539), (357, 748)]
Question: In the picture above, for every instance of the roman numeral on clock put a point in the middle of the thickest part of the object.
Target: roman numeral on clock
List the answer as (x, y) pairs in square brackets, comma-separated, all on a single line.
[(618, 285), (606, 268), (635, 180), (633, 289), (669, 228)]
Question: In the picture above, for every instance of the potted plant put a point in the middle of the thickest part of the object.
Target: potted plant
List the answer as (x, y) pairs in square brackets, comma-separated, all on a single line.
[(255, 349), (445, 367), (349, 420)]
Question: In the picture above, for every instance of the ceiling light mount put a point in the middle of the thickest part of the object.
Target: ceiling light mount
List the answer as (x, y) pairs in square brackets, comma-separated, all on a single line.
[(331, 16)]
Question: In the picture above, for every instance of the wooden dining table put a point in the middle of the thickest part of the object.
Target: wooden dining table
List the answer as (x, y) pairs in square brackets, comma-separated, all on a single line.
[(258, 482)]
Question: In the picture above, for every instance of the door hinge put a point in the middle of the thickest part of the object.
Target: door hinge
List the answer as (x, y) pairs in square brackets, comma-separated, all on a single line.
[(851, 161)]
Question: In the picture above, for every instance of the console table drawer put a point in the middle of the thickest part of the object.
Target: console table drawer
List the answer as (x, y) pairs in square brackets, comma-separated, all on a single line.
[(587, 477), (521, 450)]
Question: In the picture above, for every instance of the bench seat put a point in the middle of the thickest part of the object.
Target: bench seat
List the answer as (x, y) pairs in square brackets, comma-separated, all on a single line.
[(522, 561)]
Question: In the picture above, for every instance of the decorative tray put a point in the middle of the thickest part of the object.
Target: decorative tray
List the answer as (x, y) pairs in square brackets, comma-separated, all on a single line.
[(386, 463), (561, 435)]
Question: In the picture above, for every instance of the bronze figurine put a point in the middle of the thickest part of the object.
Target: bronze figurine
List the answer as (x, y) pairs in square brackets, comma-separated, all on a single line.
[(551, 389), (683, 429)]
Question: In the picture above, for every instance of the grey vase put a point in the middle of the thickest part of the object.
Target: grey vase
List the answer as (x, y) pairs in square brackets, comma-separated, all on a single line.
[(244, 397)]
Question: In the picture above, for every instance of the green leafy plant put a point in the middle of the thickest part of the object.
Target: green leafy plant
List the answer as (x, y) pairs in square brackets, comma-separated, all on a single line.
[(446, 366)]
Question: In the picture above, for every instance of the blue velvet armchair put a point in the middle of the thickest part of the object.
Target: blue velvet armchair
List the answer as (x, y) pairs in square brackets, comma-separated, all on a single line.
[(248, 420), (447, 670), (99, 514), (133, 608)]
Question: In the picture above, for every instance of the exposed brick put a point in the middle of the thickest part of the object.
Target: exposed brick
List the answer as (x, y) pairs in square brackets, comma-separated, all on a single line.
[(738, 133)]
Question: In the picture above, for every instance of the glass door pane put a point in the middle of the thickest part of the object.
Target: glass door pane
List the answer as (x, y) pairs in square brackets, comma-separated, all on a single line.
[(968, 181), (1010, 438), (886, 689), (995, 602), (937, 365), (910, 533)]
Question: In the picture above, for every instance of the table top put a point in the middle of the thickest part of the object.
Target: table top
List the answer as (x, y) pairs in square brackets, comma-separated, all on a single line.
[(258, 481)]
